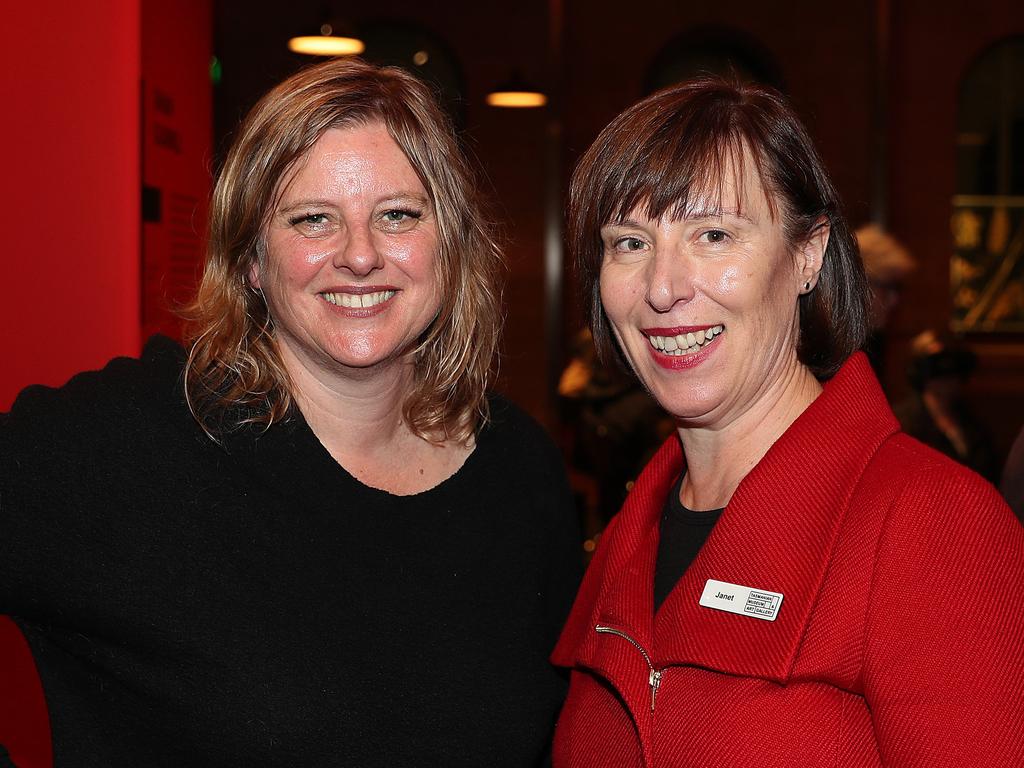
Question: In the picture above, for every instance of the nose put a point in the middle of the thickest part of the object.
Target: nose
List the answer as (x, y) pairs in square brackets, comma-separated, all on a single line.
[(358, 252), (669, 281)]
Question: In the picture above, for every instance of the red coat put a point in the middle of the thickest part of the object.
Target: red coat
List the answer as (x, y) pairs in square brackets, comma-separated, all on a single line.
[(899, 640)]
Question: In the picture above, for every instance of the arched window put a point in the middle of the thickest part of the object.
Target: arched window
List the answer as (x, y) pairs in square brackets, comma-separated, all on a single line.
[(987, 266)]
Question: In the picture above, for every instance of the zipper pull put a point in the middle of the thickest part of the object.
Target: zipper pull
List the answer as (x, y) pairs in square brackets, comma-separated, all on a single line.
[(654, 680)]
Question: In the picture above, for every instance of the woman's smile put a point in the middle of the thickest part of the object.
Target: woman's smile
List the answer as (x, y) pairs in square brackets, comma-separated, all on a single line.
[(682, 347), (364, 301)]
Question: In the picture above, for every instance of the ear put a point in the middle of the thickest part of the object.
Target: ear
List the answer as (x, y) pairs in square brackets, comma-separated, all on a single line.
[(254, 275), (811, 255)]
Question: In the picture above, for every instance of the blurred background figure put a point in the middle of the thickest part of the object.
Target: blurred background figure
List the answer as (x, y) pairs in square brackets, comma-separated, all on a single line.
[(613, 428), (937, 412), (1012, 485), (888, 265)]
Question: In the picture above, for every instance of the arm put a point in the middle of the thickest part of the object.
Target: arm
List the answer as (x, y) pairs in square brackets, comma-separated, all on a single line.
[(944, 651)]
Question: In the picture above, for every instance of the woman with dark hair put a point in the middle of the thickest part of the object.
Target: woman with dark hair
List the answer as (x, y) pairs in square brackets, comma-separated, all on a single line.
[(790, 582), (301, 543)]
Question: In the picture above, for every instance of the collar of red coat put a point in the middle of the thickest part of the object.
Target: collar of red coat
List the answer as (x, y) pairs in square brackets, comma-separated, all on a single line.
[(776, 534)]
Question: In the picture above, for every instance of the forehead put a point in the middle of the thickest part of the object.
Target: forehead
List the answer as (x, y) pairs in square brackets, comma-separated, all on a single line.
[(360, 157), (727, 178)]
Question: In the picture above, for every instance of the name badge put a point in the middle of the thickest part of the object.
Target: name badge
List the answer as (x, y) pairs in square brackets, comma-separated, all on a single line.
[(745, 601)]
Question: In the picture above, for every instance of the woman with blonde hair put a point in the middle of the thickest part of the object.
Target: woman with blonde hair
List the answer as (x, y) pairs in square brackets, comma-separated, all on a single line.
[(315, 539)]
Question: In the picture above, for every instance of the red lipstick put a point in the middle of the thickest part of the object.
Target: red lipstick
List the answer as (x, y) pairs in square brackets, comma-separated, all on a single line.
[(682, 362), (675, 331)]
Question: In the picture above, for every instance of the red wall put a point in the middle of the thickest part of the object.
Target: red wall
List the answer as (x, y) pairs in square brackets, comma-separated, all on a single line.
[(177, 131), (69, 82)]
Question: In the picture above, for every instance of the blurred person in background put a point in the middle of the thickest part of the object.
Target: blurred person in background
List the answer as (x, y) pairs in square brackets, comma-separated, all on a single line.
[(937, 413), (315, 539), (792, 580), (1012, 484), (615, 425), (888, 265)]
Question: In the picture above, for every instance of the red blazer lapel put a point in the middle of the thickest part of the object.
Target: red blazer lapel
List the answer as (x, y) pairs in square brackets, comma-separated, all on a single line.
[(625, 551), (618, 589), (778, 534)]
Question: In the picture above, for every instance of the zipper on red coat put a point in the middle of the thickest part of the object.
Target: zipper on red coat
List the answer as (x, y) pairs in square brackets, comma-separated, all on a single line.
[(654, 678)]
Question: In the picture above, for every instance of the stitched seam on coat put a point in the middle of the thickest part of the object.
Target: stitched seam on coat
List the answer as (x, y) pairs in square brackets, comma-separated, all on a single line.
[(882, 536)]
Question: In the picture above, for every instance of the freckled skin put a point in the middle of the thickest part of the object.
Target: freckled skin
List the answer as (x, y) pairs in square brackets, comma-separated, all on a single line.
[(354, 214), (727, 265)]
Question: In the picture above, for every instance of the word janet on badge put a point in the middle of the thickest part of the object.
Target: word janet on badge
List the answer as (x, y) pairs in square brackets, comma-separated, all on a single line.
[(745, 601)]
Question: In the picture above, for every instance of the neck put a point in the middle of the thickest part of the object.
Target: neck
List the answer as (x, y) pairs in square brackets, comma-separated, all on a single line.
[(356, 413), (719, 456), (357, 416)]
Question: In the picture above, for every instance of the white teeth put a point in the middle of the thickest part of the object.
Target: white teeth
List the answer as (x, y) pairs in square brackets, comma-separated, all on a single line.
[(357, 300), (685, 343)]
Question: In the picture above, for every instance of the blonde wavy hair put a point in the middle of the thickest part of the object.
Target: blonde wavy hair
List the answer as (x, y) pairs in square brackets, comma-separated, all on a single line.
[(234, 374)]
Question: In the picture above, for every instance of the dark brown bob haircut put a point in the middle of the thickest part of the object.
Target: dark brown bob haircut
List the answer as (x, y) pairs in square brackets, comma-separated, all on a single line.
[(672, 149)]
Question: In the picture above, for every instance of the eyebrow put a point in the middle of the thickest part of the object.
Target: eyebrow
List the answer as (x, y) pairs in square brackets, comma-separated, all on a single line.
[(299, 204), (321, 203), (623, 223), (715, 213), (695, 215)]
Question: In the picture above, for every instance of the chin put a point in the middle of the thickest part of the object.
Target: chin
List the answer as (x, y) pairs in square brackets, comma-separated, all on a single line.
[(369, 357), (693, 406)]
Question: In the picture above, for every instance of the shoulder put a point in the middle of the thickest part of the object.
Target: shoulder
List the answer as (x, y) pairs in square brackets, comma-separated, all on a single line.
[(515, 453), (127, 395), (927, 481), (512, 432), (945, 526), (949, 566), (160, 366)]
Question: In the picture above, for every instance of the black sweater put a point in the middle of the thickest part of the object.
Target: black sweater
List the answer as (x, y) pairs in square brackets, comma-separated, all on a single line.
[(255, 605)]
